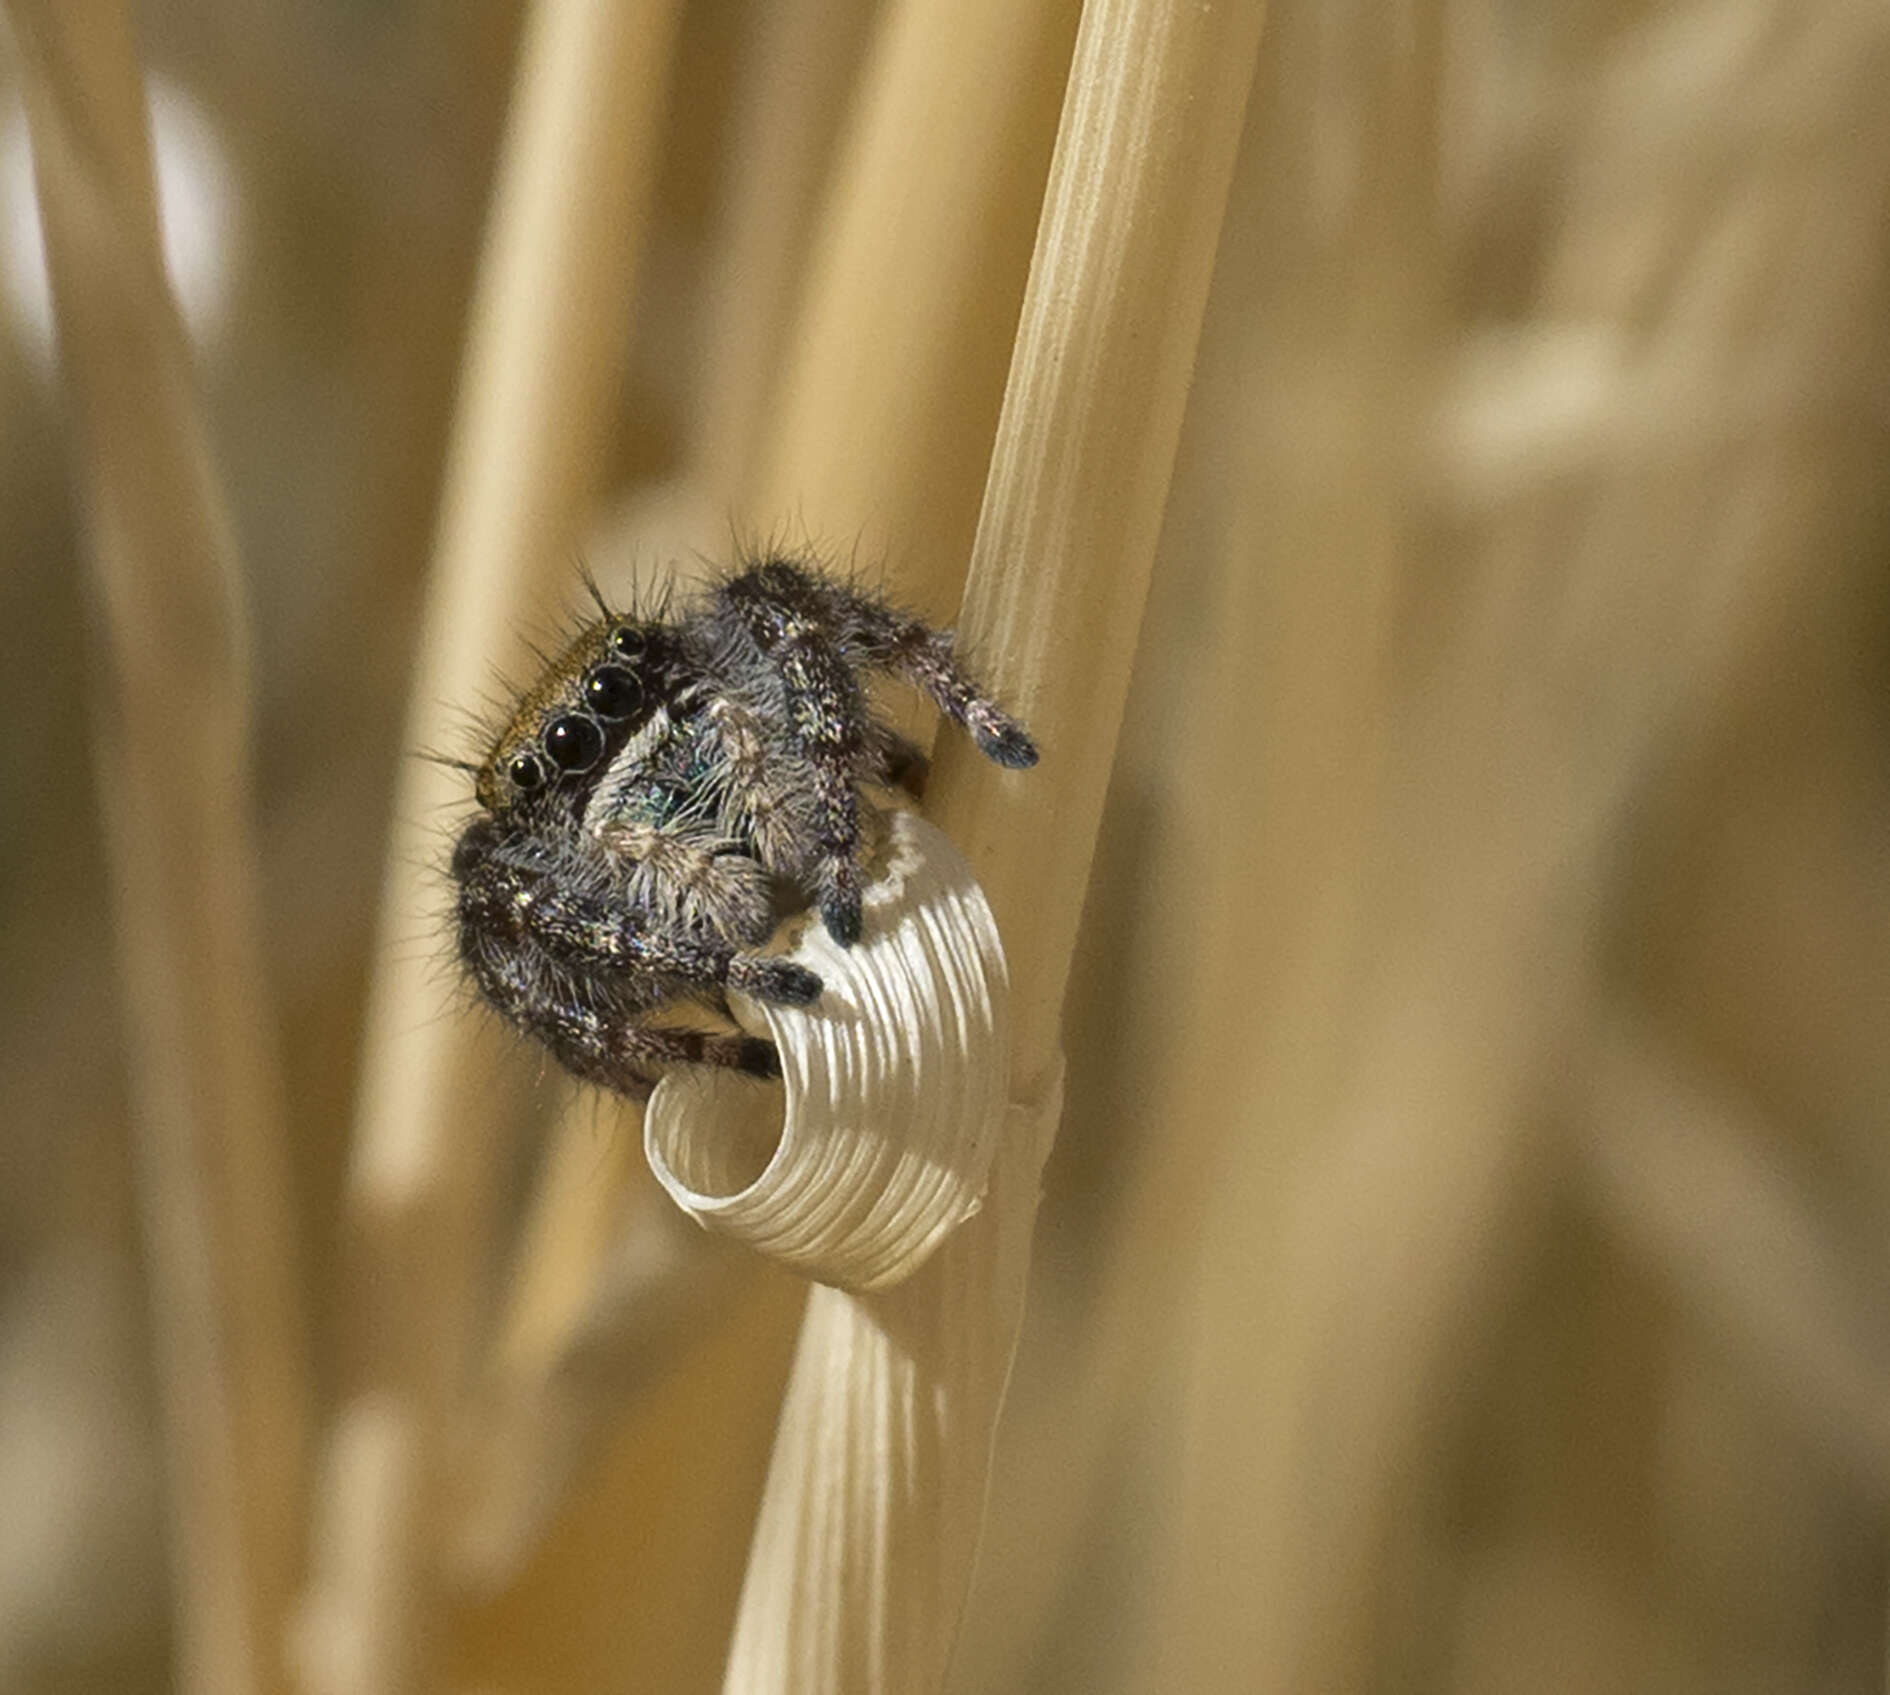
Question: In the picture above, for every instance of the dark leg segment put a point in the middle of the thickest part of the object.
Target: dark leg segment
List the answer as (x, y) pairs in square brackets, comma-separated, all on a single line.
[(776, 608), (607, 1047), (588, 932), (872, 634), (816, 635), (578, 974)]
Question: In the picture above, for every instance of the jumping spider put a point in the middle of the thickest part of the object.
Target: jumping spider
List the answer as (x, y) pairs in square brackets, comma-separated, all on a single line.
[(671, 787)]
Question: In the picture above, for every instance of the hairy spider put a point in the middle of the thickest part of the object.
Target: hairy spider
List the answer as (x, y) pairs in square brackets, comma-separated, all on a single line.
[(670, 788)]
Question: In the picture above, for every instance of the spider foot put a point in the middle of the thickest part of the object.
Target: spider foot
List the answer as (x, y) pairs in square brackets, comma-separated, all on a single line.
[(1001, 738), (840, 912), (778, 980)]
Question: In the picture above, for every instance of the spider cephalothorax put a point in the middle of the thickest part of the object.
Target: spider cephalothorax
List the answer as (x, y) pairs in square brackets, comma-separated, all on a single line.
[(667, 791)]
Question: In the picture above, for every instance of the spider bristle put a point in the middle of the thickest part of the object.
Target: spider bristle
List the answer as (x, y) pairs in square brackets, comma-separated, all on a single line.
[(588, 578), (450, 761), (498, 708), (547, 660), (789, 541)]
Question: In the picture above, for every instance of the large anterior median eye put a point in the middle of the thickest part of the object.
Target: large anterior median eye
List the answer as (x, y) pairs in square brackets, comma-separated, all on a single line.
[(612, 692), (574, 742)]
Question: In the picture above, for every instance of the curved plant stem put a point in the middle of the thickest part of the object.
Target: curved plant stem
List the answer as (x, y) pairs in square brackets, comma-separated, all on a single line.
[(852, 1586)]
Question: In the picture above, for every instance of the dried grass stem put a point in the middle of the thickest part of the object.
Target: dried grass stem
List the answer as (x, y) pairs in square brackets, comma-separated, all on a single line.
[(171, 735)]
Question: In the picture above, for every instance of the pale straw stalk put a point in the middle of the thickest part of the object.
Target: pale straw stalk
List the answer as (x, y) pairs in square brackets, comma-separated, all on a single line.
[(171, 743), (548, 324), (867, 1532), (890, 383), (877, 376)]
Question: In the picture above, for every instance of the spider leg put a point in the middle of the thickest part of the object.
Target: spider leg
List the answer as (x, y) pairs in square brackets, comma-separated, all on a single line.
[(576, 929), (776, 608), (588, 927), (925, 657), (605, 1045), (872, 634)]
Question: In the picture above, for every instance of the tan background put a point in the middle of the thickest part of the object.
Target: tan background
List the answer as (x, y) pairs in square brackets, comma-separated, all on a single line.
[(1462, 1263)]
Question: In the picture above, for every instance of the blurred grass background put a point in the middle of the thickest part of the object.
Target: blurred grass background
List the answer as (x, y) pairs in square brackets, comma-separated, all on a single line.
[(1462, 1266)]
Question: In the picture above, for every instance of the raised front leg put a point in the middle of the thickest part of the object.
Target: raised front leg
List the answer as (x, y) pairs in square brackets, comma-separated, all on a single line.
[(872, 634), (827, 714)]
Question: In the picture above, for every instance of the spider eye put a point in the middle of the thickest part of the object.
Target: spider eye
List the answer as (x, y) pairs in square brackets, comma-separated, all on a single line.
[(574, 742), (626, 641), (525, 771), (612, 692)]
